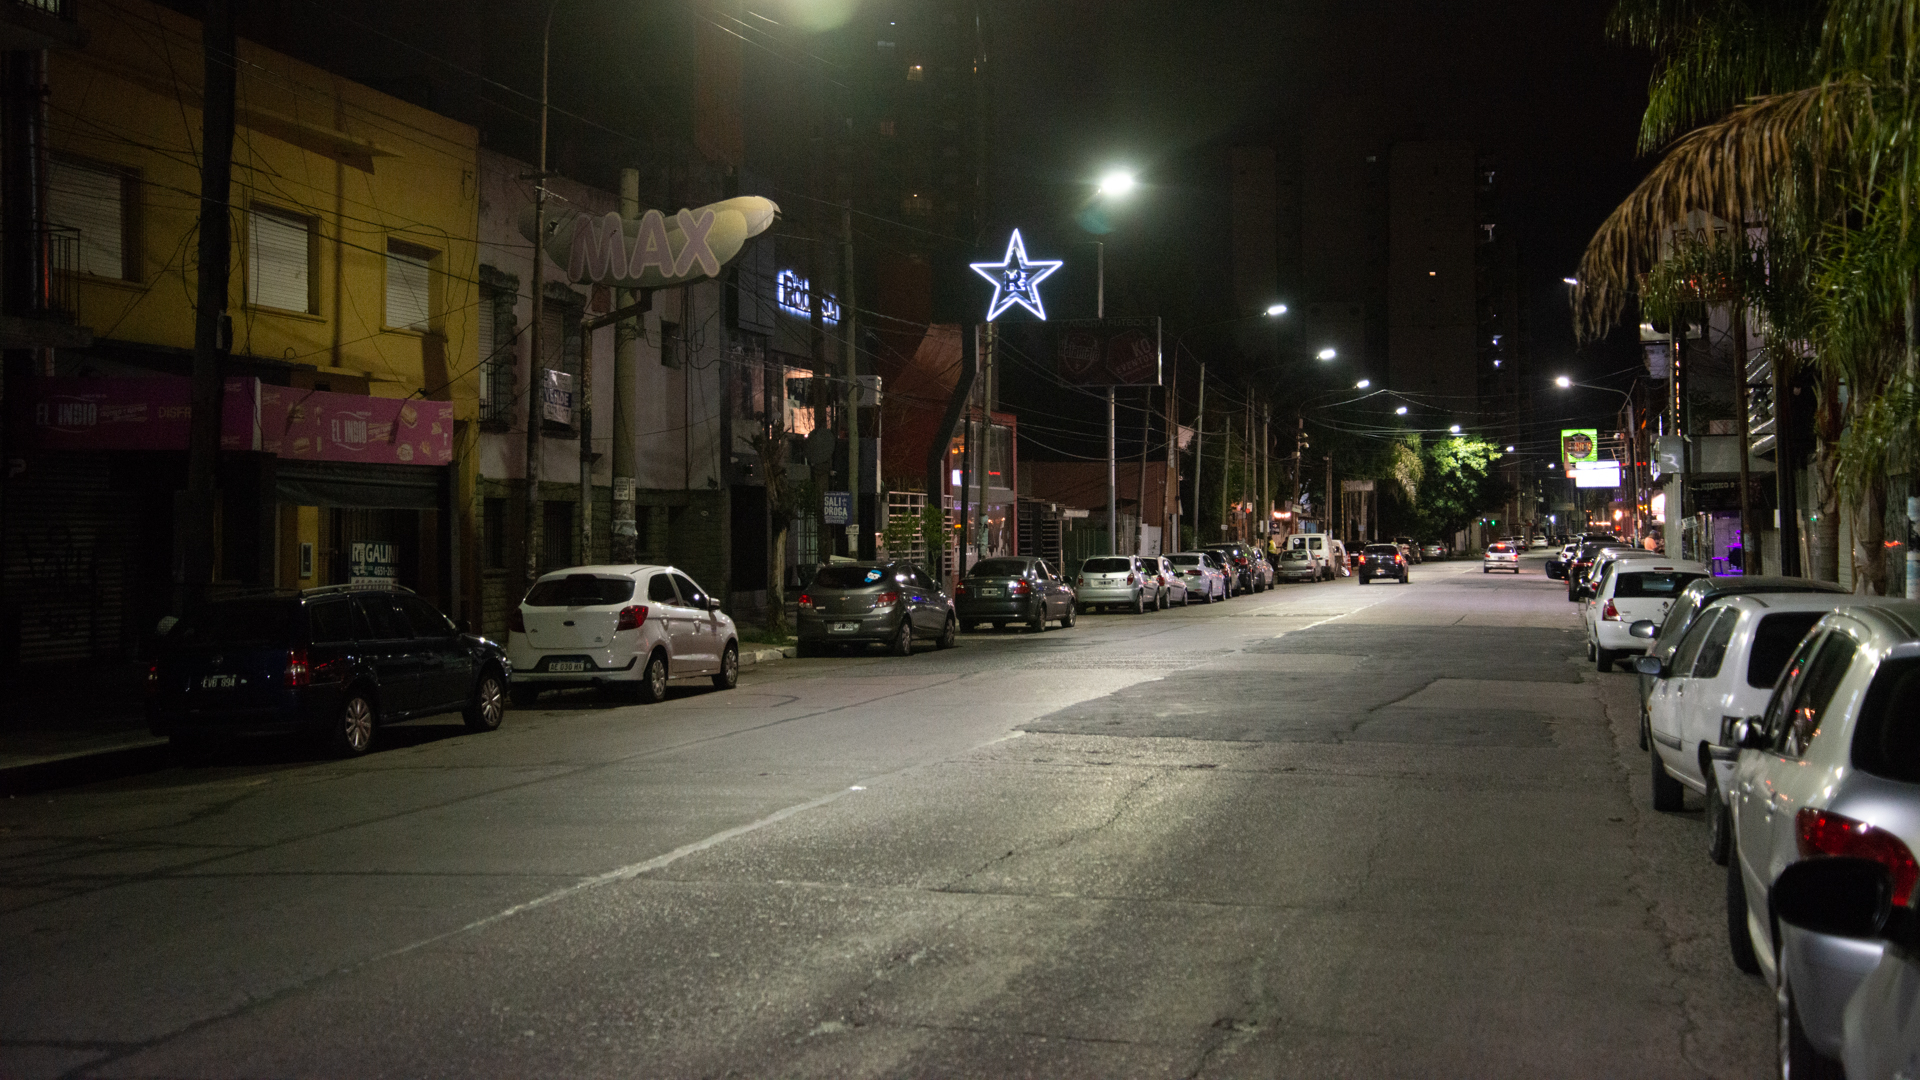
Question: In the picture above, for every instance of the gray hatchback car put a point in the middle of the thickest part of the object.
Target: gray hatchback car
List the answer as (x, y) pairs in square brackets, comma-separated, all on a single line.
[(857, 604), (1013, 589)]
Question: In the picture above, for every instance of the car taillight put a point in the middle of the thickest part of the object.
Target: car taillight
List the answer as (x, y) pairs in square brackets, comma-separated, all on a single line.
[(517, 621), (1132, 579), (297, 672), (1823, 832), (1019, 588), (960, 590), (805, 601), (1610, 612), (1399, 558), (153, 679), (632, 617), (886, 599)]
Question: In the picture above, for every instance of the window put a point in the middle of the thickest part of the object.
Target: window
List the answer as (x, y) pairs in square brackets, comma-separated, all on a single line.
[(1713, 647), (660, 590), (329, 621), (409, 284), (494, 523), (1643, 585), (556, 541), (1685, 657), (93, 201), (1774, 642), (689, 592), (1886, 740), (580, 590), (1814, 676), (279, 260), (496, 353), (426, 620), (384, 621)]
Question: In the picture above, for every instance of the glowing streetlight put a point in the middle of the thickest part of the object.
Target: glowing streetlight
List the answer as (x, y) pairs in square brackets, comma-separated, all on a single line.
[(1401, 411), (1328, 353), (1455, 429), (1571, 280), (1562, 382), (1277, 309), (1509, 449), (1363, 384), (1117, 184)]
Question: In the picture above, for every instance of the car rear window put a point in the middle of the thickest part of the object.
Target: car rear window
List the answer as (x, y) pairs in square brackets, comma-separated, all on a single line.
[(1653, 584), (1382, 549), (1106, 566), (580, 590), (1185, 560), (1295, 556), (1886, 739), (998, 568), (848, 577), (241, 622), (1500, 548), (330, 621), (1774, 642)]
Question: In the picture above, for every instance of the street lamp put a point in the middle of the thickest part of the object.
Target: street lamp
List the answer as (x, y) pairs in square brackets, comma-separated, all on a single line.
[(1401, 411), (1118, 183), (1273, 311), (1276, 309), (1455, 429), (1363, 384), (1327, 353), (1633, 451)]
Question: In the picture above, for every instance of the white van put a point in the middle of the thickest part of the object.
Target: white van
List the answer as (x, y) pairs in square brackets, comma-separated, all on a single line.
[(1330, 553)]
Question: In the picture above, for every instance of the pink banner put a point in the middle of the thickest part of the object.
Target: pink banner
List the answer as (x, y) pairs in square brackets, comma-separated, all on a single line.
[(313, 425), (138, 414)]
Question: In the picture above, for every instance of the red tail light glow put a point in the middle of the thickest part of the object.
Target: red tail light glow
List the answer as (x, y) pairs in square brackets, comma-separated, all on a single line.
[(886, 599), (960, 590), (1610, 612), (1823, 832), (1019, 588), (297, 672), (153, 679), (1133, 579), (806, 600), (632, 617), (517, 621)]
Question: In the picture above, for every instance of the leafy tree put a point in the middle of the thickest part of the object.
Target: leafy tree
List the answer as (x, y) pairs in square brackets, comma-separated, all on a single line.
[(1459, 484)]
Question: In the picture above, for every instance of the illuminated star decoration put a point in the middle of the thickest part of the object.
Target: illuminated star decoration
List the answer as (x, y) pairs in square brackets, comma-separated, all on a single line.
[(1016, 279)]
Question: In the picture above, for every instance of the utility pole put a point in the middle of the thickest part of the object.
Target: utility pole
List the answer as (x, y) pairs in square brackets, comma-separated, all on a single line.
[(984, 459), (858, 536), (1266, 479), (1199, 438), (536, 333), (1170, 490), (1749, 550), (1146, 434), (195, 539), (1329, 460), (624, 544)]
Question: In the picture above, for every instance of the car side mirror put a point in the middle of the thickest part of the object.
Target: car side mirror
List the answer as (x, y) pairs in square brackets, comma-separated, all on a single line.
[(1644, 629), (1650, 665), (1750, 734), (713, 604), (1847, 897)]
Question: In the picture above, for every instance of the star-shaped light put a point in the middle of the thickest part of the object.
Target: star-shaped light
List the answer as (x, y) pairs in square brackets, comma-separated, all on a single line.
[(1016, 279)]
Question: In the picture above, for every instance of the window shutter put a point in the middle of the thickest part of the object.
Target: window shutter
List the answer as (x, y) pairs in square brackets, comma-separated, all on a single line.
[(489, 311), (408, 281), (279, 273), (92, 201)]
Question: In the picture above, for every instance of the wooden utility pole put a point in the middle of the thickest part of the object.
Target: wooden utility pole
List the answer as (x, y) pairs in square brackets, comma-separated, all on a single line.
[(860, 544), (195, 540), (1199, 440), (624, 542)]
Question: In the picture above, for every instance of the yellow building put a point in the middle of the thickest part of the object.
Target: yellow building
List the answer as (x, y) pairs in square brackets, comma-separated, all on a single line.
[(353, 308)]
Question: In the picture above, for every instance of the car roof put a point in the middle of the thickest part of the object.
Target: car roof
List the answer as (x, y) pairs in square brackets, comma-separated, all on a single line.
[(1890, 620), (1806, 601), (1763, 583), (1685, 567), (606, 570)]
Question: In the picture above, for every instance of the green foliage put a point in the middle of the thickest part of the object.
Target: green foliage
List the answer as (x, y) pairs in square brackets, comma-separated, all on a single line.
[(933, 527), (1460, 484), (902, 531)]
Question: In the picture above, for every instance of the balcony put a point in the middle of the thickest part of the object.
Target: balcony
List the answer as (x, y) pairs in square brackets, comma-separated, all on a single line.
[(40, 24)]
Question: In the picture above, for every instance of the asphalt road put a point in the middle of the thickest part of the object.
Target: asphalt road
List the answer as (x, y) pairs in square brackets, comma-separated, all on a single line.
[(1324, 831)]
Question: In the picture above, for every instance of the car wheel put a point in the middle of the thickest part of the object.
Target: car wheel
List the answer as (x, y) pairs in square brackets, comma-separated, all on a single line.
[(1798, 1058), (950, 630), (1139, 605), (652, 686), (489, 703), (1067, 620), (902, 644), (1602, 659), (1646, 724), (1037, 622), (1163, 601), (1186, 598), (523, 697), (1719, 823), (1739, 941), (353, 728), (728, 676), (1668, 794)]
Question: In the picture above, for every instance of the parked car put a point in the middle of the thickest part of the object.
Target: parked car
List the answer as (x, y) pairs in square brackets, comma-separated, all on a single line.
[(1725, 668), (1408, 547), (1117, 581), (856, 604), (1202, 573), (1296, 565), (1557, 564), (1017, 589), (1433, 551), (1583, 556), (1692, 602), (1632, 590), (337, 661), (1383, 560), (1829, 769), (1583, 575), (1233, 557), (1326, 550), (627, 627), (1597, 573), (1851, 897), (1173, 587), (1262, 569), (1500, 555)]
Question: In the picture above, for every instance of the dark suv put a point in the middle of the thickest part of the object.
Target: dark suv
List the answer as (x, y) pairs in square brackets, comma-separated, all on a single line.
[(336, 661), (1383, 560)]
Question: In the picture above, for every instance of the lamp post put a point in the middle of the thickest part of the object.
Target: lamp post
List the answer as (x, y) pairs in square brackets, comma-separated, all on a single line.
[(1633, 450), (535, 333), (1273, 311), (1114, 185)]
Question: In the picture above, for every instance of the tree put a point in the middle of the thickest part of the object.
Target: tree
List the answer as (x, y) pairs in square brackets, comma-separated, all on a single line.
[(1459, 484)]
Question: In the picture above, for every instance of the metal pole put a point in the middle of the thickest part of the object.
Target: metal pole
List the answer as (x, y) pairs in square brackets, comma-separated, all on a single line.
[(624, 543), (1146, 433), (585, 420), (194, 559), (1199, 437), (985, 459), (535, 334), (1170, 491), (857, 537), (1266, 479), (1748, 549)]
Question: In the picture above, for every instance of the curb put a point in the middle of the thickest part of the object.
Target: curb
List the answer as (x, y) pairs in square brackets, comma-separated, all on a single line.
[(749, 657)]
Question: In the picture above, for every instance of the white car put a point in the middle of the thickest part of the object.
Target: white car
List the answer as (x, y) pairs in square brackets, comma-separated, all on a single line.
[(1501, 555), (1119, 581), (631, 627), (1630, 591), (1722, 670), (1831, 768), (1203, 576)]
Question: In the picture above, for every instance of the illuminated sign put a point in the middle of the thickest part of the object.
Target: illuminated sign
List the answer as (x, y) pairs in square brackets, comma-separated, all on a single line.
[(1578, 445), (1016, 279), (653, 250), (794, 295), (1597, 474)]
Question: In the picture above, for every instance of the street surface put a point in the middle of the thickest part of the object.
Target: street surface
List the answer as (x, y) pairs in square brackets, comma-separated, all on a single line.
[(1322, 831)]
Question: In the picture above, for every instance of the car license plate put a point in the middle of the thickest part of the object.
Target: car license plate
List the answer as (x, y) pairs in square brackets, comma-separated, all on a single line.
[(993, 592), (217, 682), (844, 627), (567, 665)]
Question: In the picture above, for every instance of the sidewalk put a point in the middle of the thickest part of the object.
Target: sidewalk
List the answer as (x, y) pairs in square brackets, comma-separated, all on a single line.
[(73, 727)]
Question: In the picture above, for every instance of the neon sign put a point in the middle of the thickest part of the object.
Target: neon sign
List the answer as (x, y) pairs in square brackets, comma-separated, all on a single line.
[(1016, 279), (794, 295)]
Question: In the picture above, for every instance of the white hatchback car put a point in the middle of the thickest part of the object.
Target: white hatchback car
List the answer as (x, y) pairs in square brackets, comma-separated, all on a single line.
[(1501, 555), (628, 626), (1632, 590)]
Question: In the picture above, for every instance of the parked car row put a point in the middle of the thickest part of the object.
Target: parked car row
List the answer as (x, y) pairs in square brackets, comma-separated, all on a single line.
[(1792, 709)]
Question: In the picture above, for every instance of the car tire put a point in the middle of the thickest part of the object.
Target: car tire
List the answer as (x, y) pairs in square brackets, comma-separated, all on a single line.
[(489, 704), (728, 676), (1139, 605), (524, 697), (1739, 941), (1603, 659), (1067, 620), (1719, 821), (352, 731), (1163, 601), (1669, 795), (950, 632), (652, 687), (902, 643), (1646, 725), (1797, 1055), (1037, 622)]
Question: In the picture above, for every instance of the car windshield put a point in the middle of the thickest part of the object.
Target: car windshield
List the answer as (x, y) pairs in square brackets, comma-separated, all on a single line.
[(1106, 566), (1500, 549), (1185, 560), (1774, 643), (1293, 556), (580, 590), (1886, 739), (241, 622), (849, 577), (998, 568), (1644, 584)]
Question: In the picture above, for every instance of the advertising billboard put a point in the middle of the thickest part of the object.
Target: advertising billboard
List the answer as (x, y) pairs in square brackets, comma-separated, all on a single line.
[(1106, 352), (1579, 445), (1597, 474)]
